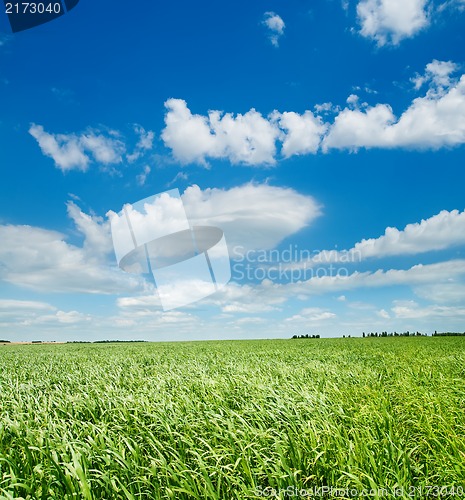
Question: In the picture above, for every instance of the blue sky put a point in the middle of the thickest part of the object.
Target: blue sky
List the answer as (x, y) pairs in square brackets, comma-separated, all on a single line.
[(324, 127)]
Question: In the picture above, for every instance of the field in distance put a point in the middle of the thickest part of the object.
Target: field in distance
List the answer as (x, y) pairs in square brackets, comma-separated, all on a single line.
[(234, 419)]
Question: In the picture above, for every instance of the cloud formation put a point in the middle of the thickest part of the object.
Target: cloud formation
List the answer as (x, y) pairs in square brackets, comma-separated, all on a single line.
[(78, 151), (248, 139), (442, 231), (432, 121), (391, 21), (75, 152), (275, 26), (42, 260), (252, 216)]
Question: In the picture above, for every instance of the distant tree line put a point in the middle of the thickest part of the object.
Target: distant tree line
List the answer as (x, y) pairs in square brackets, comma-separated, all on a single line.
[(394, 334), (412, 334), (449, 334), (306, 336), (389, 334)]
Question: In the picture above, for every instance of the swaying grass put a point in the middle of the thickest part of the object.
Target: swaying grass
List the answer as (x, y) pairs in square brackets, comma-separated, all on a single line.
[(226, 420)]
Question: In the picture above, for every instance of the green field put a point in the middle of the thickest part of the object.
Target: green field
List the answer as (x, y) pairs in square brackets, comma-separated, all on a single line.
[(234, 420)]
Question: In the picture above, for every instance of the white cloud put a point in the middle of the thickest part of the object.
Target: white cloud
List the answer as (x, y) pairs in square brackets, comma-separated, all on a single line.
[(248, 139), (302, 133), (439, 232), (142, 177), (412, 310), (141, 303), (145, 138), (42, 260), (145, 143), (9, 306), (275, 26), (430, 122), (448, 292), (438, 75), (27, 312), (353, 128), (105, 150), (251, 216), (415, 276), (382, 313), (72, 152), (248, 308), (352, 100), (452, 4), (390, 21), (59, 318), (180, 176), (96, 231), (65, 150), (311, 314), (325, 107)]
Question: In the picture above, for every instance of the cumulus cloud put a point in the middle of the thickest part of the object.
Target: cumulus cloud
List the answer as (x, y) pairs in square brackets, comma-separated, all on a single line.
[(438, 75), (302, 133), (432, 121), (275, 26), (248, 138), (391, 21), (75, 152), (65, 150)]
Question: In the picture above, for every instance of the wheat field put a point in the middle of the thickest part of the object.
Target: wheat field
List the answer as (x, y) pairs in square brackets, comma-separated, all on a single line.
[(320, 418)]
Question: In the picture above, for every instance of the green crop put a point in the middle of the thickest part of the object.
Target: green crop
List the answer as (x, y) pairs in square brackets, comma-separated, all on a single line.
[(234, 420)]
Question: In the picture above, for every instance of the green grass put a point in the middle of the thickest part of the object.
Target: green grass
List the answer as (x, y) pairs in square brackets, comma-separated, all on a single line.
[(225, 420)]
